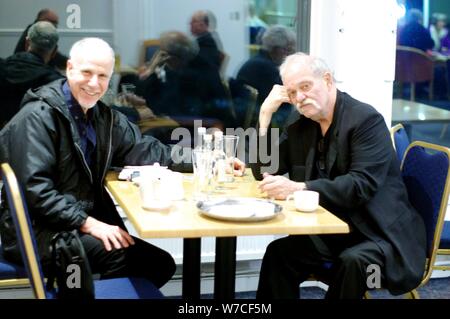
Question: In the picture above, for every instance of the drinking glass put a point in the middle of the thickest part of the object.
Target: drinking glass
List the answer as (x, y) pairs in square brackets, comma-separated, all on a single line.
[(230, 143)]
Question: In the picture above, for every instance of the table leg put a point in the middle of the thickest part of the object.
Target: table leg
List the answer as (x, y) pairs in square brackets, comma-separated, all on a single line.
[(191, 268), (225, 268)]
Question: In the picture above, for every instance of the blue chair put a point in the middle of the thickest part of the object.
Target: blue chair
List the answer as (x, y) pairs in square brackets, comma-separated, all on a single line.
[(425, 172), (444, 247), (11, 274), (117, 288), (400, 140)]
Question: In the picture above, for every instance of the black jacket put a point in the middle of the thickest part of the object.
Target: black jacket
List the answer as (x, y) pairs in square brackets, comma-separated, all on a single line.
[(365, 185), (42, 146), (261, 73), (18, 73)]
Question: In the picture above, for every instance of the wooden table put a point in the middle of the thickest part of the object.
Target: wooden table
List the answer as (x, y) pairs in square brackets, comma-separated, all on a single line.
[(184, 220)]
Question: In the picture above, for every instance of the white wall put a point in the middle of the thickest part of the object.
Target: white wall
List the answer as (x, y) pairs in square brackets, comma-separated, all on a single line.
[(15, 15), (357, 39)]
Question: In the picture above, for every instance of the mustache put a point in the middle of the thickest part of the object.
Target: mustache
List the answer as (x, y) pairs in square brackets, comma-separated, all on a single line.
[(305, 102)]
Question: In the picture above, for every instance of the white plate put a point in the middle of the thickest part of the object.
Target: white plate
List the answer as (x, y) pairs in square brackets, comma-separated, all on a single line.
[(158, 205), (239, 209)]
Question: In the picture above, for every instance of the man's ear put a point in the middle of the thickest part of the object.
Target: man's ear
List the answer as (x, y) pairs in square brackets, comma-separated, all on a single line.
[(328, 78), (69, 66), (27, 43)]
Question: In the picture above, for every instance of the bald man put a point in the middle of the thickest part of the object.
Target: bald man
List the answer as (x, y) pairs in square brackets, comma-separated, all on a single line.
[(209, 51), (61, 145)]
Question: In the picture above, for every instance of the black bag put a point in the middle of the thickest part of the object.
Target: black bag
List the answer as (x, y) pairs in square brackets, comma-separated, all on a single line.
[(70, 267)]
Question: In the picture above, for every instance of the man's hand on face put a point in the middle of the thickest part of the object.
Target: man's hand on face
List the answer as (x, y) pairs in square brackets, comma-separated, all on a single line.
[(111, 236), (279, 187), (277, 96)]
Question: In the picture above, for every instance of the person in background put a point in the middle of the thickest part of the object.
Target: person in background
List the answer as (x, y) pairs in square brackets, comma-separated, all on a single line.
[(208, 51), (261, 71), (59, 60), (28, 70), (164, 85), (413, 33), (255, 24), (173, 87), (341, 148), (61, 145), (438, 29), (212, 28)]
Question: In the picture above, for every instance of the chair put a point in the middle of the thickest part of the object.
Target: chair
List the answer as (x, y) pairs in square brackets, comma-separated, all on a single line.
[(400, 140), (425, 172), (414, 66), (149, 48), (444, 246), (118, 288), (244, 98), (11, 274), (224, 61)]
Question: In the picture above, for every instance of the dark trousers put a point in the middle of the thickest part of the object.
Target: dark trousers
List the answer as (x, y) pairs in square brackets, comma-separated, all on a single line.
[(291, 260), (140, 260)]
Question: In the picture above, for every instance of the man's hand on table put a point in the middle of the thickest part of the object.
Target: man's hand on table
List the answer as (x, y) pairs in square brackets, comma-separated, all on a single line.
[(239, 167), (279, 187)]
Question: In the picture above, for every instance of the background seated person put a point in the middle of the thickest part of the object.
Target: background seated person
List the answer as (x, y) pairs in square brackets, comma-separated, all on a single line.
[(413, 33), (28, 70), (173, 87), (59, 60), (438, 29), (261, 71), (341, 148), (208, 46)]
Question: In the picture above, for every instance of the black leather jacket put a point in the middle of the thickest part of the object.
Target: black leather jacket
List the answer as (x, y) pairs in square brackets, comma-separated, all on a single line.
[(42, 146)]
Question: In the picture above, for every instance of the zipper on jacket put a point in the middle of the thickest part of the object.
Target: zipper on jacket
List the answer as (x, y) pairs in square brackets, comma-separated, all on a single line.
[(86, 166), (108, 155)]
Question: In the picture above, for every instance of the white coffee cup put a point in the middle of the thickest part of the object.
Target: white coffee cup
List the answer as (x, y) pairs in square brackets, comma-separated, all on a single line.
[(305, 201), (153, 186)]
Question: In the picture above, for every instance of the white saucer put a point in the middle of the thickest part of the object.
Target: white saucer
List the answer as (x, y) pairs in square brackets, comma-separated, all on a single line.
[(158, 206)]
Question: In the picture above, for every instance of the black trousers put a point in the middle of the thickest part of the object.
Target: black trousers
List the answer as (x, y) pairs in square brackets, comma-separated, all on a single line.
[(291, 260), (140, 260)]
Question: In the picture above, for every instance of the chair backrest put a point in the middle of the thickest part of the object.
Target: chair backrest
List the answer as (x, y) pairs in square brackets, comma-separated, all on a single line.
[(25, 234), (413, 65), (400, 140), (244, 99), (425, 172), (251, 116), (149, 48)]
